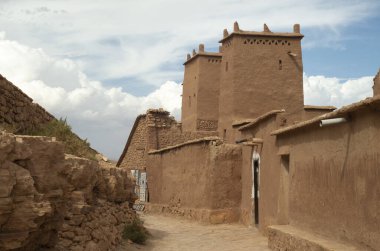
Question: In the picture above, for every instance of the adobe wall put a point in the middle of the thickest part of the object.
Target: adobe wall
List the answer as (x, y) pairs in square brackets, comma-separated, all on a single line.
[(199, 181), (200, 97), (334, 174), (208, 93), (269, 177), (136, 155), (226, 92), (17, 110), (376, 84), (189, 99), (262, 76)]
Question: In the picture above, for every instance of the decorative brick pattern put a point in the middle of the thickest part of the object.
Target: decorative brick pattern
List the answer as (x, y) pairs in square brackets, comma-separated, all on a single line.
[(207, 125)]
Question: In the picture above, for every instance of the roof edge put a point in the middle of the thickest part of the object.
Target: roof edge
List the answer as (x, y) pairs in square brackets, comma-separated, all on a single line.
[(260, 118), (319, 107), (334, 114), (262, 34), (207, 54), (190, 142)]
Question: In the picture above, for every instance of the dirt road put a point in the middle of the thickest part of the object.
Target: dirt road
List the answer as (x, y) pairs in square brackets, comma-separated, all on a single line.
[(182, 235)]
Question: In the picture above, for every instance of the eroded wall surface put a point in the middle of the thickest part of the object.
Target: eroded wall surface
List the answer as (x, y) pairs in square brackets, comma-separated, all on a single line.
[(334, 184), (165, 131), (155, 130), (18, 110), (199, 181), (49, 200)]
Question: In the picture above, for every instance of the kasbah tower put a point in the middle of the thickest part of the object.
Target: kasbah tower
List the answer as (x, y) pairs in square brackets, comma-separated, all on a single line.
[(253, 73)]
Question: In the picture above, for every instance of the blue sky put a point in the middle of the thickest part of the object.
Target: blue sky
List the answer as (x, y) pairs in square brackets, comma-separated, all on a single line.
[(355, 54), (101, 63)]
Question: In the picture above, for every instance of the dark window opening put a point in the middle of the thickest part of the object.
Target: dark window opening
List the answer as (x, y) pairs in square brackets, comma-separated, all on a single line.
[(280, 64), (226, 66)]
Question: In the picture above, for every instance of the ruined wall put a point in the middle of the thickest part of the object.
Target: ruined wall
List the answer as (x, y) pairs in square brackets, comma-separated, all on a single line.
[(376, 84), (51, 201), (334, 174), (18, 110), (200, 181), (135, 157), (154, 130), (164, 131), (261, 71)]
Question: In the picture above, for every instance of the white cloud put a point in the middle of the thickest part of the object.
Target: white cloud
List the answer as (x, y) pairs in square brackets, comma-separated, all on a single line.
[(321, 90), (142, 40), (93, 109), (134, 39)]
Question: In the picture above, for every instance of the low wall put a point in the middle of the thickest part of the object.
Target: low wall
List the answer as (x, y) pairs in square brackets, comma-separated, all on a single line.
[(199, 176), (18, 110), (52, 201)]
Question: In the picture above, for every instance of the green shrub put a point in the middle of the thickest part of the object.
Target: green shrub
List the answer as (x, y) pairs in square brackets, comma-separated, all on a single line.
[(61, 130), (135, 232)]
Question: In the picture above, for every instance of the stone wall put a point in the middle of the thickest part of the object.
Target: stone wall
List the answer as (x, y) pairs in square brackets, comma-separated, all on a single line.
[(135, 157), (164, 131), (18, 110), (52, 201), (155, 130)]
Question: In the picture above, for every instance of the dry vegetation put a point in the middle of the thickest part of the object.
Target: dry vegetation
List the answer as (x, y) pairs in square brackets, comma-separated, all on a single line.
[(61, 130)]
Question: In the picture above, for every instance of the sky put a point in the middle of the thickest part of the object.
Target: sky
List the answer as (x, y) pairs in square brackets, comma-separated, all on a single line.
[(101, 63)]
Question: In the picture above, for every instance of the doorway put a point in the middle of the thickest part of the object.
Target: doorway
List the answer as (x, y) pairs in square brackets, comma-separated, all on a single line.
[(255, 187)]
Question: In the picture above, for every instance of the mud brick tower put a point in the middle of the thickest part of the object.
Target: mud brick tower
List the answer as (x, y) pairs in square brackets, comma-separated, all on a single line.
[(260, 72), (200, 98)]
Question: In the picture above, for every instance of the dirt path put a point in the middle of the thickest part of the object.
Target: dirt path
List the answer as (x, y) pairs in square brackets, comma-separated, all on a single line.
[(179, 234)]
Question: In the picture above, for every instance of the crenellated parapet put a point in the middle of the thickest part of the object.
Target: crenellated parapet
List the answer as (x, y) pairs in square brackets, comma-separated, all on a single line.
[(261, 38), (215, 57)]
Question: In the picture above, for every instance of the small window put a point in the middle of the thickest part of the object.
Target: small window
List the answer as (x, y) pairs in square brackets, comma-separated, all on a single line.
[(280, 64), (189, 101), (224, 134), (226, 66)]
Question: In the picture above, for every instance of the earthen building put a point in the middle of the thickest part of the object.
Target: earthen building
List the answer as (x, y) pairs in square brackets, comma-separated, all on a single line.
[(249, 150)]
